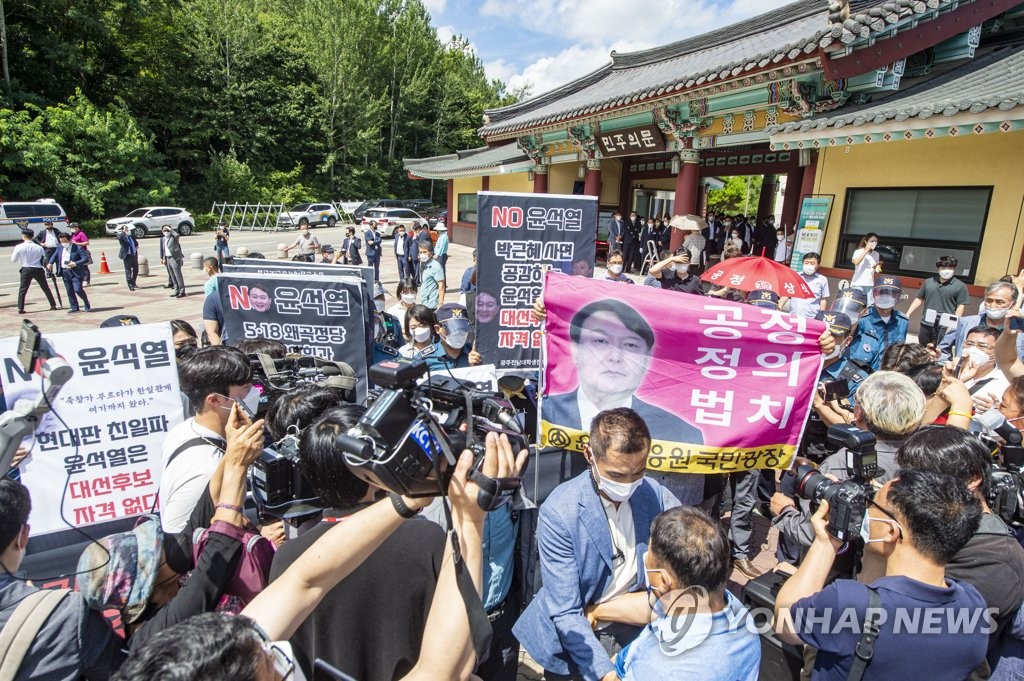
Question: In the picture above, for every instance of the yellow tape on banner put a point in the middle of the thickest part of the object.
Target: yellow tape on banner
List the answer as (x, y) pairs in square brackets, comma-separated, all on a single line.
[(680, 457)]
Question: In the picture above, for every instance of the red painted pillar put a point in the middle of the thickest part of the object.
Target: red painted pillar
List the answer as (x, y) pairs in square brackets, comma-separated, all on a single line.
[(540, 178), (791, 202), (592, 185), (450, 201), (485, 183), (686, 190)]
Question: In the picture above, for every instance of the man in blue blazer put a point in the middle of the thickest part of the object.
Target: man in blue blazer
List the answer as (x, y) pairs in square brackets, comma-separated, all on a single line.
[(592, 535), (372, 239), (70, 262), (405, 253), (616, 228)]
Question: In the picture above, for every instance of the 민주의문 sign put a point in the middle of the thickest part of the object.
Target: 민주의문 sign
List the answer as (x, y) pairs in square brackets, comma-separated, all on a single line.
[(722, 386)]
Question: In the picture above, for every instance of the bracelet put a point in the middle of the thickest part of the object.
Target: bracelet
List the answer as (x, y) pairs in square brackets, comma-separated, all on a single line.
[(401, 508), (230, 507), (966, 415)]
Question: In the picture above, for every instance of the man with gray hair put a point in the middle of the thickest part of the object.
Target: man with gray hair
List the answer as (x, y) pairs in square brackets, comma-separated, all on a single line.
[(890, 407), (999, 299)]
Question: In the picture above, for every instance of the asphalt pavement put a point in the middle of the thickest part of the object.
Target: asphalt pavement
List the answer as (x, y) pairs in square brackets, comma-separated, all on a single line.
[(151, 302)]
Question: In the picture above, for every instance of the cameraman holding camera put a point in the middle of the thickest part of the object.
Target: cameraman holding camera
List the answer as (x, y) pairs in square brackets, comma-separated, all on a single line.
[(915, 525)]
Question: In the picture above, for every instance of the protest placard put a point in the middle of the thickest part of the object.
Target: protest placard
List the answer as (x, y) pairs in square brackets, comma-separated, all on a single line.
[(722, 386), (321, 316), (517, 236), (297, 267), (96, 456)]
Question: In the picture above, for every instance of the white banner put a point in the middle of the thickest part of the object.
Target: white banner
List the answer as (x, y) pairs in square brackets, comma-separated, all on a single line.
[(99, 448)]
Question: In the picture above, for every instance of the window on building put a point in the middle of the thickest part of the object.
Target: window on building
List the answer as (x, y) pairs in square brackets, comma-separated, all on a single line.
[(467, 208), (915, 226)]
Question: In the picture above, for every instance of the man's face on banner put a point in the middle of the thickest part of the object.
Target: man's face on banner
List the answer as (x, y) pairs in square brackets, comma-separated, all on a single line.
[(610, 357), (486, 308)]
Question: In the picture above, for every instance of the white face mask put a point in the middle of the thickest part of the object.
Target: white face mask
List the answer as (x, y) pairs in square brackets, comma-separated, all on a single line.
[(810, 269), (379, 304), (977, 356), (421, 334), (617, 491), (251, 400), (996, 313), (408, 298), (945, 275), (681, 269), (424, 257), (456, 339), (835, 353), (615, 269), (885, 301), (865, 528)]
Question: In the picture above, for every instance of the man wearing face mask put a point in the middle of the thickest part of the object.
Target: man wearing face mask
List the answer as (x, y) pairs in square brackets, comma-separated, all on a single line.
[(307, 244), (818, 283), (999, 299), (432, 281), (883, 325), (631, 239), (592, 535), (212, 379), (615, 265), (454, 351), (673, 273), (985, 381), (939, 295), (836, 367)]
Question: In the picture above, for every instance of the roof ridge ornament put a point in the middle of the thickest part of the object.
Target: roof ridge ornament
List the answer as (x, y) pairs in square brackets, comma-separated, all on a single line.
[(530, 146), (585, 143)]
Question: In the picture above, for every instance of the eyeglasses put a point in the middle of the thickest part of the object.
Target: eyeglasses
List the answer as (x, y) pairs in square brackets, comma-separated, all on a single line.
[(284, 666), (886, 511)]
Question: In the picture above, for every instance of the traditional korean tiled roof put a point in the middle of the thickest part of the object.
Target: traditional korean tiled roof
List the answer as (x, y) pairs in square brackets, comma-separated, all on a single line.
[(790, 33), (994, 81), (468, 162)]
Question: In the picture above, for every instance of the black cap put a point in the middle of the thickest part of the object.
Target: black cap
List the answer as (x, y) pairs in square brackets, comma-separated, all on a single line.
[(766, 299), (120, 320), (838, 323)]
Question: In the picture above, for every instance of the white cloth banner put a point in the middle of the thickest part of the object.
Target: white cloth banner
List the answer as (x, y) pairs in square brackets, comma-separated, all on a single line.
[(99, 448)]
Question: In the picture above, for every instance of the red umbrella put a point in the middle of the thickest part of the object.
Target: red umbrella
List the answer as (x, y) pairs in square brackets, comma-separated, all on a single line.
[(758, 273)]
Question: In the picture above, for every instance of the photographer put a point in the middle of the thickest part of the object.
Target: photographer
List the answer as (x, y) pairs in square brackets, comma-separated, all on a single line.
[(991, 560), (198, 649), (916, 524), (828, 407), (889, 406)]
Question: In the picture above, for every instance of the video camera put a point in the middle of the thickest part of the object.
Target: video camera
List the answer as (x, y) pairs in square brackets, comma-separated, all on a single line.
[(1006, 491), (410, 438), (278, 486), (847, 500), (275, 376)]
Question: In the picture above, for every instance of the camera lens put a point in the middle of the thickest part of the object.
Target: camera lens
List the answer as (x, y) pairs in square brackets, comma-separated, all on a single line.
[(811, 484)]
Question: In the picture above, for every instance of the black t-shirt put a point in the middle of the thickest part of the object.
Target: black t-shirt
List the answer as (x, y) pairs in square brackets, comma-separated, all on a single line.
[(370, 626), (688, 284)]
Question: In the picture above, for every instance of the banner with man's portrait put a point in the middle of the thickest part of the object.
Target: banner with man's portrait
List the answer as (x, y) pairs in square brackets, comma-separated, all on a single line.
[(516, 236), (322, 316), (722, 386)]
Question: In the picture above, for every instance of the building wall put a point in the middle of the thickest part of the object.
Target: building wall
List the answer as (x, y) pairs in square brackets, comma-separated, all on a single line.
[(511, 182), (611, 177), (463, 233), (561, 177), (978, 160)]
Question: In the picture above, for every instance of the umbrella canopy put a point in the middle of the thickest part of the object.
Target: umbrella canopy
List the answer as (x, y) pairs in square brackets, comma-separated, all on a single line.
[(688, 223), (757, 273)]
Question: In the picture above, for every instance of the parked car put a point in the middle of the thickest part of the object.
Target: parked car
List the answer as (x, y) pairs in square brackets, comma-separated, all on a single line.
[(34, 215), (435, 216), (308, 214), (376, 203), (388, 219), (146, 221), (419, 205)]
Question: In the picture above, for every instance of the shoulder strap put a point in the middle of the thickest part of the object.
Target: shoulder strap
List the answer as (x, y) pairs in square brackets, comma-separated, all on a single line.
[(979, 385), (866, 646), (194, 442), (20, 631)]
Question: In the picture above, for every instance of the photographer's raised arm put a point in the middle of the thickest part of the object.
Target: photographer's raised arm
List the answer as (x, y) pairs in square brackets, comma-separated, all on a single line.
[(809, 578), (1006, 347)]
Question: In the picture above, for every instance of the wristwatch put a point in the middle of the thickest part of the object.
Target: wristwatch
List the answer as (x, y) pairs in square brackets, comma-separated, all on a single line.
[(401, 508)]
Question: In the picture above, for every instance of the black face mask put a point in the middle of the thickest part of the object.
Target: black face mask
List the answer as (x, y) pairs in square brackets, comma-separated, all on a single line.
[(185, 351)]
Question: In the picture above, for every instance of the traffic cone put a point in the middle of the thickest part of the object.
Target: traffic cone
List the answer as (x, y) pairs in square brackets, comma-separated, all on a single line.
[(103, 264)]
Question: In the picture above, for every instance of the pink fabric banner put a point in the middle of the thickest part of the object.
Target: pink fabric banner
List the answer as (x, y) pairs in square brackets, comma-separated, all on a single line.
[(722, 386)]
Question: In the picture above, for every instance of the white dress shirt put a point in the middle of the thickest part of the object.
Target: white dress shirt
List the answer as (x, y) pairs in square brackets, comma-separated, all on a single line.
[(29, 254), (620, 524)]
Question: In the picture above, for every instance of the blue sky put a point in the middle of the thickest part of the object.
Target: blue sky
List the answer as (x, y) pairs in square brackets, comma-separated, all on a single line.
[(549, 42)]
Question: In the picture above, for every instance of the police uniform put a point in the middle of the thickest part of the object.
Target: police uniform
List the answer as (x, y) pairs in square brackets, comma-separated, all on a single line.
[(438, 359), (388, 338), (873, 335), (766, 299)]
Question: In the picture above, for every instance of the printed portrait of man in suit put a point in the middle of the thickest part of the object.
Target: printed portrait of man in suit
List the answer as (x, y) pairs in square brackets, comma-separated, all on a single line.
[(611, 348)]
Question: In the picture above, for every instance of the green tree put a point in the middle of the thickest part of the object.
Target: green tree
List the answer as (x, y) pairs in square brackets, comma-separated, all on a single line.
[(739, 195)]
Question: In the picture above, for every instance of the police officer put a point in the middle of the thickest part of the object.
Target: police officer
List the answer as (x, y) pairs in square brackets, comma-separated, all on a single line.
[(454, 350), (769, 300), (883, 325), (387, 330)]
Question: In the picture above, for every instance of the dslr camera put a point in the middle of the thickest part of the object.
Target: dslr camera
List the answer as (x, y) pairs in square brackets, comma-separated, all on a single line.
[(275, 376), (410, 438), (847, 500), (1005, 492)]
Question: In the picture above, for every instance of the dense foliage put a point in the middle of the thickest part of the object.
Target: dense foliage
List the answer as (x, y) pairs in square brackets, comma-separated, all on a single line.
[(110, 104)]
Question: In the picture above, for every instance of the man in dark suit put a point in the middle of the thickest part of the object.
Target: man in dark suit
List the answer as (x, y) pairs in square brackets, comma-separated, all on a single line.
[(405, 253), (171, 257), (592, 536), (49, 239), (129, 255), (611, 347), (616, 230), (70, 262), (350, 248), (372, 239), (631, 240)]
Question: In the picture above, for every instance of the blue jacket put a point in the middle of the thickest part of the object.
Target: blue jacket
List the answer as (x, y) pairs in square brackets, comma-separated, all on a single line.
[(873, 336), (576, 567), (79, 256), (410, 247), (616, 229), (372, 240)]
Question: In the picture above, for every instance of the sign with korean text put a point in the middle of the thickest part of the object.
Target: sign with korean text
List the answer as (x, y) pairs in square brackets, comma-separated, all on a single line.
[(315, 269), (722, 386), (99, 447), (323, 316), (518, 237), (810, 228), (642, 139)]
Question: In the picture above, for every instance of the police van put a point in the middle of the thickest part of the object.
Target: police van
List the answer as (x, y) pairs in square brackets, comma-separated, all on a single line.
[(18, 215)]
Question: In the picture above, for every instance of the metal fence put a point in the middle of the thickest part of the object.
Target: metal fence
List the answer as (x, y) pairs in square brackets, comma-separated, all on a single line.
[(253, 217)]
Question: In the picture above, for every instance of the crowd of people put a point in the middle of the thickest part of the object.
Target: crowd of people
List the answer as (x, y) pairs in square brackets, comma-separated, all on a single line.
[(621, 573)]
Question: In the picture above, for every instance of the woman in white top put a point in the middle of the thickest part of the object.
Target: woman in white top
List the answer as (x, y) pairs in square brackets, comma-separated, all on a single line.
[(419, 326), (407, 298), (865, 260)]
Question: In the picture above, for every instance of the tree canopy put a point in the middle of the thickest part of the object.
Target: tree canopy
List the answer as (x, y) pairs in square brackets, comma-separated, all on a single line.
[(110, 104)]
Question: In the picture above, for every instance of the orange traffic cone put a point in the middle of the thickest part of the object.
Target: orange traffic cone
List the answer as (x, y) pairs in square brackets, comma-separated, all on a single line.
[(103, 264)]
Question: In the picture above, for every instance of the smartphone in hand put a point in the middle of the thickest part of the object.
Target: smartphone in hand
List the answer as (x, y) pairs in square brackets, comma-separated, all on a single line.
[(244, 409)]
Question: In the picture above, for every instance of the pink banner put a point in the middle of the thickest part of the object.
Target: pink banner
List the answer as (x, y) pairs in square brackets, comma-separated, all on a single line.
[(722, 386)]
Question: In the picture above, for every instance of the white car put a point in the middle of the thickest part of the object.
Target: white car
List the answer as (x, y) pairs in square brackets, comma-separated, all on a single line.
[(308, 214), (388, 219), (146, 221)]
